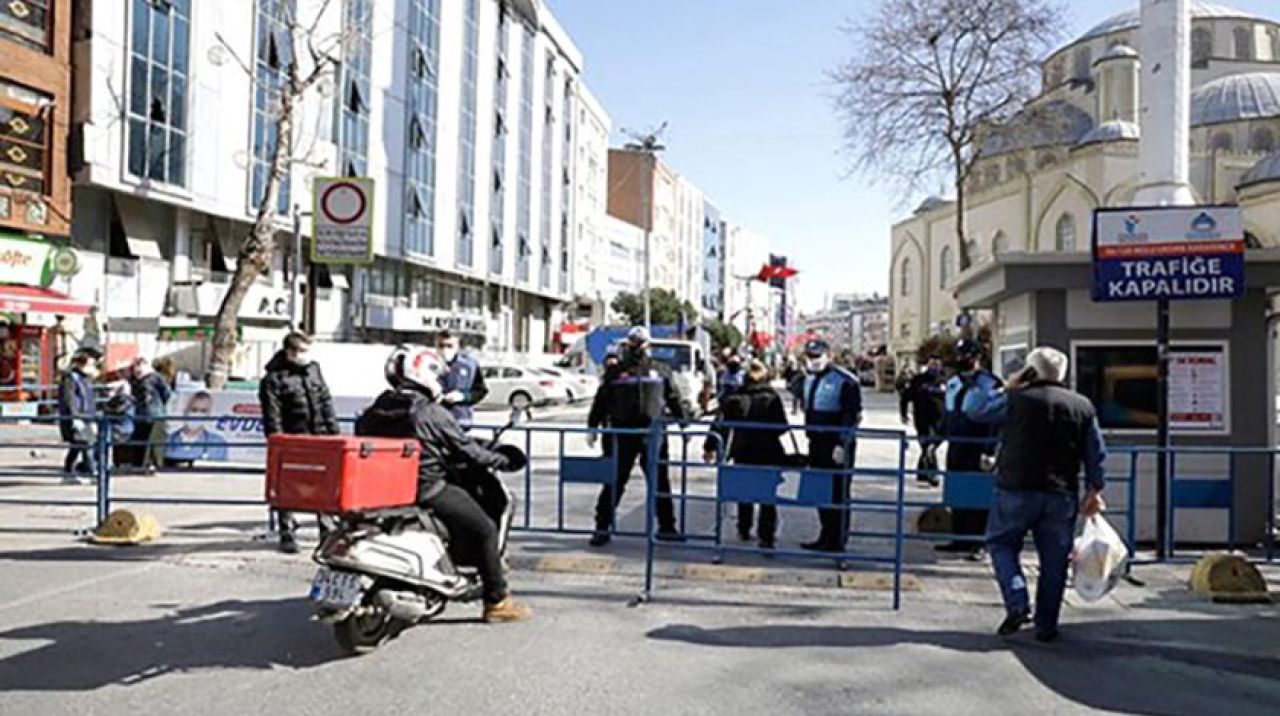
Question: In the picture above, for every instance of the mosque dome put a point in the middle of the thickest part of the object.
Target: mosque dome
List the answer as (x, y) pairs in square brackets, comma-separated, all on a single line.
[(1053, 123), (933, 202), (1133, 18), (1119, 51), (1267, 170), (1252, 95), (1114, 130)]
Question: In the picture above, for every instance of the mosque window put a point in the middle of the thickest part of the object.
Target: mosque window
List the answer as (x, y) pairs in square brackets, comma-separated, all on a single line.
[(1066, 234), (1083, 64), (1263, 141), (1201, 47), (948, 267), (1221, 142), (1244, 43), (905, 279), (1000, 244)]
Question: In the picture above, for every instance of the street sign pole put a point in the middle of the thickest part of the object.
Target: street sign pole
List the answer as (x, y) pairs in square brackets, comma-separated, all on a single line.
[(1162, 431)]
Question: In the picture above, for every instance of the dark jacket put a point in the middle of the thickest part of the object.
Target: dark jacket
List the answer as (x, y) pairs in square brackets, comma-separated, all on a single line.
[(75, 401), (833, 398), (295, 400), (968, 439), (121, 409), (923, 395), (408, 413), (1049, 434), (637, 393), (753, 403), (151, 393)]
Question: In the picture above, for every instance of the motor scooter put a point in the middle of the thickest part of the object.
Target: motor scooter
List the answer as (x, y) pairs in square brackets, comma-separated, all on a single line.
[(383, 571)]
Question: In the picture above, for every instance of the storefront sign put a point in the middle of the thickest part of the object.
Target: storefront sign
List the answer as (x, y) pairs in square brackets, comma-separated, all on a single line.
[(1172, 253), (434, 320), (24, 262), (261, 302), (1197, 390)]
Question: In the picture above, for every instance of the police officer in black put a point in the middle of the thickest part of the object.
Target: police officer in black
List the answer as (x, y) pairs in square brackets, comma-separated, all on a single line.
[(638, 391), (923, 395)]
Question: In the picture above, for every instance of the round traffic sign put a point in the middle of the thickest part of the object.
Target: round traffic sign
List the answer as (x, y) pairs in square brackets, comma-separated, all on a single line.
[(343, 202)]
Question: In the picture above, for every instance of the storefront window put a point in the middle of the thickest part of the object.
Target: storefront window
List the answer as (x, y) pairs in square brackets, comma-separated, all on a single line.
[(27, 22), (1120, 379), (24, 140)]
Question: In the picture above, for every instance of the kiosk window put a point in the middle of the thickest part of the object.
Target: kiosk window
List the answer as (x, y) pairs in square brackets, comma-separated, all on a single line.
[(1121, 382)]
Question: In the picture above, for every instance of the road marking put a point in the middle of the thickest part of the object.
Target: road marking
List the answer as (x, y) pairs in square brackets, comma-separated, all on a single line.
[(721, 573), (866, 581), (575, 563), (77, 586)]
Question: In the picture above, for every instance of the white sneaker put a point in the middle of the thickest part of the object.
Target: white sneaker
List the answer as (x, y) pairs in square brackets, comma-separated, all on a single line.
[(71, 478)]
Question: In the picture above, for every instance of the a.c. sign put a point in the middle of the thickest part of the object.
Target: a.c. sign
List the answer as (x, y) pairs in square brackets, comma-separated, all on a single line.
[(1171, 253)]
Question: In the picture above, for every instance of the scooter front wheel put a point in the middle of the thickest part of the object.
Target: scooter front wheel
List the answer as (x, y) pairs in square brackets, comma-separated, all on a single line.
[(364, 633)]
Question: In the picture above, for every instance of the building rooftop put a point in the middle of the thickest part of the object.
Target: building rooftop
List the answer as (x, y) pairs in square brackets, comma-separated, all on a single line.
[(1133, 18), (1267, 170), (1252, 95), (1115, 130)]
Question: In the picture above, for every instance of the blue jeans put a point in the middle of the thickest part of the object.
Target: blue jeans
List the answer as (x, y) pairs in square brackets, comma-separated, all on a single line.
[(1050, 517)]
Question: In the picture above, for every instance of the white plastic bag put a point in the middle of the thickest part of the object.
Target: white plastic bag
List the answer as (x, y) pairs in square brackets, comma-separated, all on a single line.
[(1099, 559)]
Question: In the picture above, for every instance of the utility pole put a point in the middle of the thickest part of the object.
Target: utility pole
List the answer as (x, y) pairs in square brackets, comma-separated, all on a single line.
[(648, 145)]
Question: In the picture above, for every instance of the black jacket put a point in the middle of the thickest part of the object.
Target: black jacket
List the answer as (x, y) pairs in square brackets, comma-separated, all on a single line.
[(923, 394), (1043, 443), (446, 450), (752, 403), (295, 400), (634, 395)]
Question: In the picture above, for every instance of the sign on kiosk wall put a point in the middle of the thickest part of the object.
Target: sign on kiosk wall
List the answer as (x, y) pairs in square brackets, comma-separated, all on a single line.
[(1171, 253), (342, 221)]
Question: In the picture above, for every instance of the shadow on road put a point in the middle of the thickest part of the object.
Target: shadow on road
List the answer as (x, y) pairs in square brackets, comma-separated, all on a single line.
[(86, 655), (1161, 667)]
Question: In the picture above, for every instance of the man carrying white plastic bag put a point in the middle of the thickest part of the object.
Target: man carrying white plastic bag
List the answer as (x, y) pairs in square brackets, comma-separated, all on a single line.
[(1099, 559), (1049, 434)]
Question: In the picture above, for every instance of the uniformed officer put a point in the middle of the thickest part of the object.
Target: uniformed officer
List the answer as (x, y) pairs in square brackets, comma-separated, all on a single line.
[(833, 399), (968, 442), (463, 383)]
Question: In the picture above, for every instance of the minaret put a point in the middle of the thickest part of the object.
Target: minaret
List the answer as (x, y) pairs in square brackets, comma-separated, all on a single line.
[(1165, 148)]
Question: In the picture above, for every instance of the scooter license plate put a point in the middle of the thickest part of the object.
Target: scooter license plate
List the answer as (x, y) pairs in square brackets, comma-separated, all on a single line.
[(336, 589)]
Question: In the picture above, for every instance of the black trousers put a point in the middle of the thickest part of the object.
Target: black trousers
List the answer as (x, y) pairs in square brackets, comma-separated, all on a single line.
[(768, 520), (628, 448), (473, 538), (966, 522), (835, 522)]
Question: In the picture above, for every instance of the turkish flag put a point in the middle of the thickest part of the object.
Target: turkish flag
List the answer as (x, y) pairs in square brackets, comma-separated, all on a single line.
[(768, 272)]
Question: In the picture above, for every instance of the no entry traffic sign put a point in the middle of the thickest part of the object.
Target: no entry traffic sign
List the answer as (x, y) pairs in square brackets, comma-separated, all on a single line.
[(1168, 253), (342, 222)]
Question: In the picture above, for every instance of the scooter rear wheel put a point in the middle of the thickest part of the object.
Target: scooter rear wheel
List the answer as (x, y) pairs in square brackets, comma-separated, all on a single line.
[(364, 633)]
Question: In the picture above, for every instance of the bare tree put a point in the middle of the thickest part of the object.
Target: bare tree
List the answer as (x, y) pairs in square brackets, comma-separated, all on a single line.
[(297, 80), (929, 75)]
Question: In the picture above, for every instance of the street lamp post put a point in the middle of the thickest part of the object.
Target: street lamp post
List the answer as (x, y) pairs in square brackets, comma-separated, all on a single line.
[(649, 146)]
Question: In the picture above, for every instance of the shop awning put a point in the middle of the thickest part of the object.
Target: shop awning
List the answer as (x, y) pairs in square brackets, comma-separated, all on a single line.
[(30, 299)]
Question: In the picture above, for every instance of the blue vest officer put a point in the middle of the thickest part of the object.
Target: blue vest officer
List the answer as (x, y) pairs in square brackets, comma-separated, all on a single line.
[(463, 383), (832, 399)]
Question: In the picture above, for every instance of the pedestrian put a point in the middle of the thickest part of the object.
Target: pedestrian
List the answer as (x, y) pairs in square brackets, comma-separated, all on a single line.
[(151, 392), (730, 377), (968, 442), (77, 411), (1049, 433), (924, 394), (598, 415), (120, 410), (640, 392), (756, 402), (832, 400), (295, 401), (463, 383)]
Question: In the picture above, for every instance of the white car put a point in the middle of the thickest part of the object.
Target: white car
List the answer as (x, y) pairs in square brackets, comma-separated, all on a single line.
[(576, 386), (506, 383)]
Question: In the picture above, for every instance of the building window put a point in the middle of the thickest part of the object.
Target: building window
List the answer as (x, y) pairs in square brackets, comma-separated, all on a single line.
[(1263, 141), (566, 193), (947, 267), (420, 149), (1000, 244), (1275, 45), (1065, 234), (24, 140), (497, 199), (353, 110), (1201, 47), (27, 23), (467, 137), (524, 187), (1244, 43), (548, 171), (1222, 142), (1083, 68), (157, 113), (974, 251), (271, 72)]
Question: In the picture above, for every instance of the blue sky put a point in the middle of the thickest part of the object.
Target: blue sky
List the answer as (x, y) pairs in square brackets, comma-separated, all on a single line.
[(743, 85)]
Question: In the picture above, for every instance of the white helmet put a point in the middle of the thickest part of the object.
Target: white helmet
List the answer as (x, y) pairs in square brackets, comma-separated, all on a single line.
[(417, 367)]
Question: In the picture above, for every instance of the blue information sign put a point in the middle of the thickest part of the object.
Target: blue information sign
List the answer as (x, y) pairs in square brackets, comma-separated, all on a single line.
[(1170, 253)]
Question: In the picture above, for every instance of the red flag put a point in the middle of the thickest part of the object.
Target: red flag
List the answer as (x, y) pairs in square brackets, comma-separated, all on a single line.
[(768, 272)]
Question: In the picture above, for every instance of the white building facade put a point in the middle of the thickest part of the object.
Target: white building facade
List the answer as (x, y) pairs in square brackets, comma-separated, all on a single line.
[(463, 111), (591, 269)]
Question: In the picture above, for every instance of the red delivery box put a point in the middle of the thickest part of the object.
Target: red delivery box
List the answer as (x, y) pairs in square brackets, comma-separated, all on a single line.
[(338, 473)]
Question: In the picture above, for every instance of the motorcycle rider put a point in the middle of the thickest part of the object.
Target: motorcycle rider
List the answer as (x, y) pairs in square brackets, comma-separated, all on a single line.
[(412, 408), (640, 391)]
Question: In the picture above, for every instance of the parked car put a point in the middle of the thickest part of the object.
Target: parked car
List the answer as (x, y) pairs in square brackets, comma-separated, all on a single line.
[(506, 383), (576, 386)]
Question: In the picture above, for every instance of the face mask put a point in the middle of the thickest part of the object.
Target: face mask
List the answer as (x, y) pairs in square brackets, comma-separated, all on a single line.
[(734, 367), (817, 365), (449, 354), (300, 357), (89, 370)]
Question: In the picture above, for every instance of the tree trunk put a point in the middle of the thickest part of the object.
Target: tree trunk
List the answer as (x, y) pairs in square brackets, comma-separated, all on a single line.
[(963, 252), (255, 256)]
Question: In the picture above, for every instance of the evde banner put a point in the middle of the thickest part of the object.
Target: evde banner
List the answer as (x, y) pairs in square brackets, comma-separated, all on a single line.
[(1173, 253), (226, 425)]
